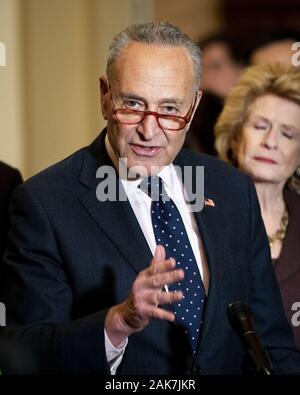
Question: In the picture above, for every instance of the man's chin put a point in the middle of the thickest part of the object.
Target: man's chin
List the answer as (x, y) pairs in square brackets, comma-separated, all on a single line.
[(143, 170), (138, 169)]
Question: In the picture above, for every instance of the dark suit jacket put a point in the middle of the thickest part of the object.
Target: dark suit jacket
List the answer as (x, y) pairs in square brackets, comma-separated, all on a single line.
[(71, 257), (287, 266), (9, 179)]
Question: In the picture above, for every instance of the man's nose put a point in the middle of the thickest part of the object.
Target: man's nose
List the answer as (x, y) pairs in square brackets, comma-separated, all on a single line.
[(148, 128)]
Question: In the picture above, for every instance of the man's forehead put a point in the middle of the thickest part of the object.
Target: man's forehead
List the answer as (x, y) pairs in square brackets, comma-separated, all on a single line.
[(157, 66), (142, 47), (151, 55)]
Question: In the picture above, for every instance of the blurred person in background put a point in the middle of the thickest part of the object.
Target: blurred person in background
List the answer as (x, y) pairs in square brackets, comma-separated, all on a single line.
[(200, 137), (259, 132), (223, 59), (274, 46)]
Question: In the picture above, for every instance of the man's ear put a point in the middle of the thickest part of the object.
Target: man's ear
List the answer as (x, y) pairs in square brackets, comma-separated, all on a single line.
[(198, 98), (104, 100)]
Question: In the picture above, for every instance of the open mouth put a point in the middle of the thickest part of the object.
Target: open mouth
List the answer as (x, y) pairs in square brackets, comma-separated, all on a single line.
[(145, 151)]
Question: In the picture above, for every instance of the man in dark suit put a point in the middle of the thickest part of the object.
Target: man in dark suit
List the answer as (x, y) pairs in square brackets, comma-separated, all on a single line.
[(10, 178), (91, 287)]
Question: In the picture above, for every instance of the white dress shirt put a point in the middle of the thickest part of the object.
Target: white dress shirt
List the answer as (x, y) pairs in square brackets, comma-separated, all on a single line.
[(141, 204)]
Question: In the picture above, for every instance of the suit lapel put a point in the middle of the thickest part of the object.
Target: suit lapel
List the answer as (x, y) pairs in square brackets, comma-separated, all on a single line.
[(207, 221), (115, 218)]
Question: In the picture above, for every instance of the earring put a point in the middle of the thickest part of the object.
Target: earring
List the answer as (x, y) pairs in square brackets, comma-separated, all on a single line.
[(298, 172)]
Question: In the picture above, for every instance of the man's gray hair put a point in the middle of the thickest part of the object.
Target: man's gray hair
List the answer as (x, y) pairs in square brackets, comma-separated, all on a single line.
[(158, 33)]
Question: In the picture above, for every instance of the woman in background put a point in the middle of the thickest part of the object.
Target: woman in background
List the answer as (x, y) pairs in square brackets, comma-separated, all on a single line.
[(259, 132)]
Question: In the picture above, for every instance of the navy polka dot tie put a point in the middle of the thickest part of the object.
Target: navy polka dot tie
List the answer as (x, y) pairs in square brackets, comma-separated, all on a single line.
[(169, 231)]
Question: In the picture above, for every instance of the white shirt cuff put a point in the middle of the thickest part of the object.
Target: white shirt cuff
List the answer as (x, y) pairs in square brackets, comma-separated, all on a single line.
[(114, 354)]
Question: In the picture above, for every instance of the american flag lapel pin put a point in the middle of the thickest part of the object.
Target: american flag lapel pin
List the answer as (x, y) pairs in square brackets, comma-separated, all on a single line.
[(209, 202)]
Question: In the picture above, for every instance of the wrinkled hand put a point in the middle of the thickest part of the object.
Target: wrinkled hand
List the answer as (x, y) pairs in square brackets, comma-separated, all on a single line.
[(145, 298)]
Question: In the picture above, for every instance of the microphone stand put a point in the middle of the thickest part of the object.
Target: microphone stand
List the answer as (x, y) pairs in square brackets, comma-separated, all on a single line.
[(242, 322)]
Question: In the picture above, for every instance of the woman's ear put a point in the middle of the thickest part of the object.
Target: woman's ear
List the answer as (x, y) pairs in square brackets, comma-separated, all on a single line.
[(104, 92)]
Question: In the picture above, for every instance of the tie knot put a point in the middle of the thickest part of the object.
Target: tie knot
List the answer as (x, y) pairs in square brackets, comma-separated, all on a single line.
[(154, 187)]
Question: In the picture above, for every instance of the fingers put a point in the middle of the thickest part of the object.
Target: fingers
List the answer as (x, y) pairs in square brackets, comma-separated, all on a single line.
[(159, 255), (163, 297), (161, 271), (147, 295), (159, 314), (159, 280), (159, 262), (161, 267)]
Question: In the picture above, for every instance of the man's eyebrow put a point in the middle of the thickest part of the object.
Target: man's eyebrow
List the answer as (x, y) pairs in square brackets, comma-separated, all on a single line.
[(129, 95), (134, 96), (174, 100)]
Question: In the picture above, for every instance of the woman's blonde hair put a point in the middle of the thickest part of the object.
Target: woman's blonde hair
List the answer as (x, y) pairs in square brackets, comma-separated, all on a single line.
[(279, 79)]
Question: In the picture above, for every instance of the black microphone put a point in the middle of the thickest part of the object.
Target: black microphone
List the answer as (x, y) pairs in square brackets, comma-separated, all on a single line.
[(241, 320)]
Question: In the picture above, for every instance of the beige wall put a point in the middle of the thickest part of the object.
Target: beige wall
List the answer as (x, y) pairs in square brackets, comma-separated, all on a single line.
[(57, 71), (197, 18), (56, 50), (67, 42), (12, 104)]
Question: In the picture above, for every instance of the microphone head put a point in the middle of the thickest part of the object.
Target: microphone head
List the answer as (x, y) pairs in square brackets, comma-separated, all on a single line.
[(240, 317), (236, 308)]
